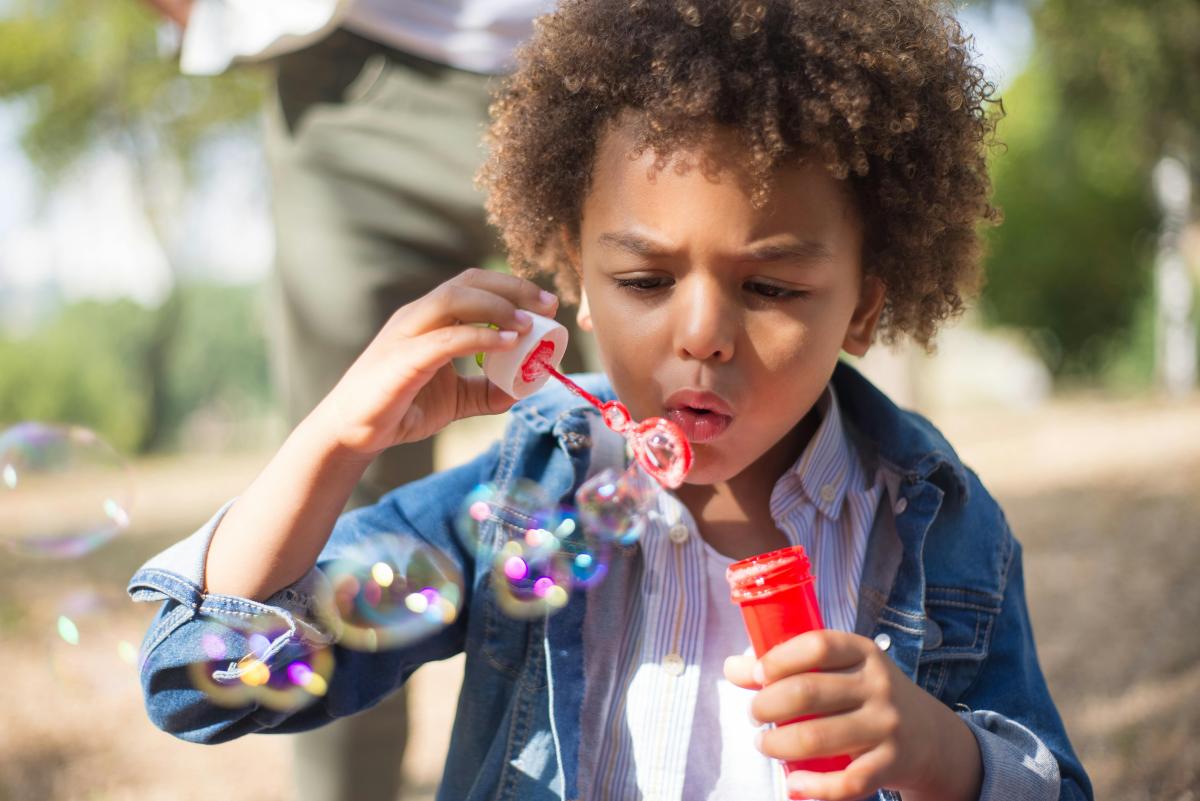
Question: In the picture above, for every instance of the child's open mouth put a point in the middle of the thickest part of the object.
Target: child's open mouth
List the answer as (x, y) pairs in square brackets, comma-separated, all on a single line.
[(699, 425)]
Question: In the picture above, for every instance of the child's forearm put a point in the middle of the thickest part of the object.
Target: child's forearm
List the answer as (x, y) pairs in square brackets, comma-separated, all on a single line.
[(273, 533)]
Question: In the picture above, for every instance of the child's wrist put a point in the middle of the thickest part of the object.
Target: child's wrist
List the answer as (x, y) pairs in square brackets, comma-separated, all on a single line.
[(318, 434), (955, 769)]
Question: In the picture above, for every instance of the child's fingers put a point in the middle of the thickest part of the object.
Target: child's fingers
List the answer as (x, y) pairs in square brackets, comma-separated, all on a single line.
[(739, 670), (861, 779), (431, 351), (452, 304), (520, 291), (476, 296), (819, 737), (808, 694), (813, 650)]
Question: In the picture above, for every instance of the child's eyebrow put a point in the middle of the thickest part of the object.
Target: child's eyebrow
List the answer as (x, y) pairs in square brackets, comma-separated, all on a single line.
[(803, 250), (634, 243)]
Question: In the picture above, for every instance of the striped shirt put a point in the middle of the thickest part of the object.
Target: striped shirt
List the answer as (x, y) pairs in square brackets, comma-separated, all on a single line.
[(643, 686)]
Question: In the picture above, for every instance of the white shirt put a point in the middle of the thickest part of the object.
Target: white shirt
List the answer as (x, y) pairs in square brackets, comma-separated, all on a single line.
[(476, 35), (648, 701)]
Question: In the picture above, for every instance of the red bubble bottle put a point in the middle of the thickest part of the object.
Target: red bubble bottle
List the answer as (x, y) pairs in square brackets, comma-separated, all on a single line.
[(778, 600)]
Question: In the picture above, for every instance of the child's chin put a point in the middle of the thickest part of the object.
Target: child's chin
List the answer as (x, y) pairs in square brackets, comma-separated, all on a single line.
[(710, 468)]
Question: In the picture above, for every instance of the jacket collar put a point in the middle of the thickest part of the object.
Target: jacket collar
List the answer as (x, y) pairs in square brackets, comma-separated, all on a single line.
[(908, 443)]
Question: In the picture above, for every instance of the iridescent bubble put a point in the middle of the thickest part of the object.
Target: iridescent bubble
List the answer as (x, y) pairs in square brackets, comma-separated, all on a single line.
[(252, 662), (492, 514), (587, 554), (391, 590), (63, 490), (663, 450), (616, 506), (532, 580)]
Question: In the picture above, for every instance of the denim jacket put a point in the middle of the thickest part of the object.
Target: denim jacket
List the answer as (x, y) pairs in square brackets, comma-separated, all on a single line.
[(942, 592)]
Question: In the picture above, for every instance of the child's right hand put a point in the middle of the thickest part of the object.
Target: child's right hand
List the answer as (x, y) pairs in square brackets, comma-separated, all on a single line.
[(404, 388)]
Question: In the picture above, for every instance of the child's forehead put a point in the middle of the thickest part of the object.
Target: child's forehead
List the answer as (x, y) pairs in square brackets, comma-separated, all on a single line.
[(717, 152), (633, 180)]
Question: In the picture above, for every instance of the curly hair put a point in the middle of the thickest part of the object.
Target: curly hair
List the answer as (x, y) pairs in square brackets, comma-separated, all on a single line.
[(883, 93)]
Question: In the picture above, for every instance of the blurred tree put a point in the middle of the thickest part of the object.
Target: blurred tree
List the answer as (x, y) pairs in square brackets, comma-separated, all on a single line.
[(86, 367), (1113, 85), (89, 75)]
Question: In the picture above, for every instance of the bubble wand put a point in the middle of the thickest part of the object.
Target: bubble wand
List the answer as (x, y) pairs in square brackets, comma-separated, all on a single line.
[(659, 445)]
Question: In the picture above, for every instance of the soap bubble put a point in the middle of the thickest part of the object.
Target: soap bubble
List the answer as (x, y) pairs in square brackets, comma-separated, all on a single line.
[(493, 514), (63, 490), (616, 506), (663, 450), (587, 554), (531, 576), (392, 590), (247, 662)]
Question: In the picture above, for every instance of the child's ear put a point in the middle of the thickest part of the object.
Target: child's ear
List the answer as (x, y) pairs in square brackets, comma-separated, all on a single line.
[(584, 315), (861, 331)]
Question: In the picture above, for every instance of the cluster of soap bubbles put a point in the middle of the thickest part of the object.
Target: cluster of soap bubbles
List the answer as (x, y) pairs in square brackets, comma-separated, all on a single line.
[(64, 493), (539, 551), (389, 591), (384, 592), (258, 660)]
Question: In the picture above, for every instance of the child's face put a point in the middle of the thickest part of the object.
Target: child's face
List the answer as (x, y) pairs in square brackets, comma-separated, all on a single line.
[(689, 287)]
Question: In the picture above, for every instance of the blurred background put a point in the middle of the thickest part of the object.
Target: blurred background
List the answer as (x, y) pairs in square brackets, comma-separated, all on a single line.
[(135, 240)]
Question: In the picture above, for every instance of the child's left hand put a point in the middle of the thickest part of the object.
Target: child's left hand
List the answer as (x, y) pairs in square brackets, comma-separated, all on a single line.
[(900, 736)]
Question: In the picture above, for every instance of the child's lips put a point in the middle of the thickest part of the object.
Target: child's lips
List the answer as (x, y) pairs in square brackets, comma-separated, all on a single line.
[(699, 425)]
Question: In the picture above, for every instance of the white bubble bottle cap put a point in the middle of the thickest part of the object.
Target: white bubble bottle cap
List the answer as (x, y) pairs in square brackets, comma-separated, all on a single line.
[(504, 368)]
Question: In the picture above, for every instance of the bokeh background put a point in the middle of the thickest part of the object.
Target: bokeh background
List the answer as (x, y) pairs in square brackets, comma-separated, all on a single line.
[(134, 239)]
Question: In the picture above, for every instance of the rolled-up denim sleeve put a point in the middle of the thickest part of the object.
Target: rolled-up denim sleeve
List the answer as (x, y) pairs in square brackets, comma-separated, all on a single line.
[(1017, 766), (1023, 743), (297, 619)]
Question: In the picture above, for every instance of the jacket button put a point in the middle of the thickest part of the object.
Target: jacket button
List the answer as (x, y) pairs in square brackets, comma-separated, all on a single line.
[(678, 533), (883, 641), (900, 506), (673, 664)]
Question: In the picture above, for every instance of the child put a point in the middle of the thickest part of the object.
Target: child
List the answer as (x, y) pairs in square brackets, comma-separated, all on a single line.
[(736, 192)]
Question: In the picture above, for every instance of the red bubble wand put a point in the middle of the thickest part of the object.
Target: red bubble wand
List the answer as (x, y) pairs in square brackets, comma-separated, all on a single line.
[(659, 445)]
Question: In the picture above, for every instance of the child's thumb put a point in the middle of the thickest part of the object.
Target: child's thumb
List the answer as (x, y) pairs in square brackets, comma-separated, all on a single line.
[(479, 396), (739, 670)]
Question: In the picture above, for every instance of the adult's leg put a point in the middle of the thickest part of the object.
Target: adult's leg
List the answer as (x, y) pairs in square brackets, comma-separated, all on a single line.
[(372, 155)]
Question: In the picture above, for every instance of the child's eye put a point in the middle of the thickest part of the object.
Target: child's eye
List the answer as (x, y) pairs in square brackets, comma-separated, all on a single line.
[(773, 291), (645, 284)]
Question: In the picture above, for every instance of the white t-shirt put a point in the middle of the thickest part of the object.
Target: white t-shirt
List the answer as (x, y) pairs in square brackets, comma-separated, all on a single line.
[(723, 764), (476, 35)]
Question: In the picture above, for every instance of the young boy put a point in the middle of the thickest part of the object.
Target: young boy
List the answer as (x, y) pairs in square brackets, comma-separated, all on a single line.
[(737, 192)]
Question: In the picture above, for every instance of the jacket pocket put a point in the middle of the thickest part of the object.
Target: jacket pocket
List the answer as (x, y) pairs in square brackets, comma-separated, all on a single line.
[(958, 630)]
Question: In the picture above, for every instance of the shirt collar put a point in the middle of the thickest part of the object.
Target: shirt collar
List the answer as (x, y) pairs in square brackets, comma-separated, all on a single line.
[(822, 473)]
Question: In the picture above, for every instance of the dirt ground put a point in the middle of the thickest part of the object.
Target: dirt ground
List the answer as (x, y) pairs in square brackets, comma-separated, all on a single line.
[(1105, 497)]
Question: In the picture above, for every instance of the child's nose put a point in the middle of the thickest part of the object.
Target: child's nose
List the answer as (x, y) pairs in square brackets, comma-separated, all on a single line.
[(705, 322)]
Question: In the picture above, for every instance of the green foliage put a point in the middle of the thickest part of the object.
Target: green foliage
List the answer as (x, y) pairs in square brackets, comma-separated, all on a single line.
[(90, 72), (1072, 257), (219, 356), (81, 370), (1113, 86), (86, 366)]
